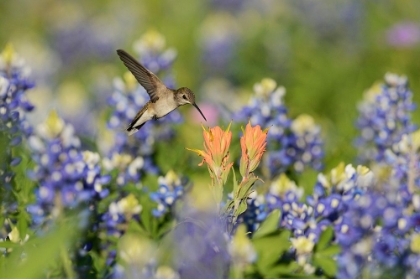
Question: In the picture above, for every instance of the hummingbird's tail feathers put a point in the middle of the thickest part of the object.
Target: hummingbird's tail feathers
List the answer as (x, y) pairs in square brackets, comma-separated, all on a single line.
[(131, 130)]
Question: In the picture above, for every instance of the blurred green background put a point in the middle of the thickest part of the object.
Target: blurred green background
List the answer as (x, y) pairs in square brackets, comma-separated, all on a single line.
[(326, 53)]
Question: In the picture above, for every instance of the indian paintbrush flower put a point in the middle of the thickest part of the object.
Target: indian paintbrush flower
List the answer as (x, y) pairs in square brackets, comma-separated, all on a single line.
[(253, 144), (216, 156)]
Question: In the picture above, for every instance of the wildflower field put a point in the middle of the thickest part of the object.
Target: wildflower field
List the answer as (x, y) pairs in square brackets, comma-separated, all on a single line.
[(308, 165)]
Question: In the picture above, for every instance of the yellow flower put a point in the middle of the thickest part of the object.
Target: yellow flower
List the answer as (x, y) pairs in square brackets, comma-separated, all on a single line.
[(302, 124), (416, 140), (302, 245), (52, 127), (129, 205), (283, 185), (8, 54), (241, 249), (130, 81), (265, 87), (136, 250), (151, 40), (415, 243)]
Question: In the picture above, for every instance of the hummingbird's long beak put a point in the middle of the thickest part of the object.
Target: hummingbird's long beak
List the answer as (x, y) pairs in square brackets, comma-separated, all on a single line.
[(199, 111)]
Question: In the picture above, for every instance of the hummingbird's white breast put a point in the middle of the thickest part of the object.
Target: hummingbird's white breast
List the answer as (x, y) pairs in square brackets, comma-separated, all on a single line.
[(164, 105)]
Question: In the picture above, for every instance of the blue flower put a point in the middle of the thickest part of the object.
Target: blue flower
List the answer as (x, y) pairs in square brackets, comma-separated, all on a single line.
[(384, 117), (170, 189), (255, 213), (14, 127), (14, 82), (218, 41), (291, 144), (67, 176)]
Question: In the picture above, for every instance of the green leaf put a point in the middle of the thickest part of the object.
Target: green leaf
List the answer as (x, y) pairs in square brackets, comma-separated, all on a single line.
[(166, 227), (324, 239), (48, 246), (22, 223), (23, 186), (235, 182), (245, 187), (283, 269), (330, 251), (135, 227), (228, 208), (270, 225), (327, 264), (8, 244), (149, 222), (270, 249), (242, 208)]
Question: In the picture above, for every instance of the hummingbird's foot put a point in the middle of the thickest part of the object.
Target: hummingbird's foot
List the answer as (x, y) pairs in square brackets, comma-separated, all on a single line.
[(155, 117)]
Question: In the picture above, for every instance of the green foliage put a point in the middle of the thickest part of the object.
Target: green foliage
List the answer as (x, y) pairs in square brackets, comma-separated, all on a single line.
[(324, 253), (270, 225), (324, 73), (270, 248), (25, 260)]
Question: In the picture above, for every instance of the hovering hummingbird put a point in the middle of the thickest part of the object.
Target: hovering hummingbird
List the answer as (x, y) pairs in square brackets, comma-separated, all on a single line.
[(163, 100)]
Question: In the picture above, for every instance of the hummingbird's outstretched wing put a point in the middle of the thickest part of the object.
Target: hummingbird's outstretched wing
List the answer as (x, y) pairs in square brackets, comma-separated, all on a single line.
[(146, 78)]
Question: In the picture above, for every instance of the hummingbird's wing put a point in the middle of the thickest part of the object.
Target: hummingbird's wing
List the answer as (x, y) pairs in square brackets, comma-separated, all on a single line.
[(146, 78), (137, 122)]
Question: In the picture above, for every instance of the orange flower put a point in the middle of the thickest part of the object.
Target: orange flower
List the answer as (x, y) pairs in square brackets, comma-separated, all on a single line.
[(216, 152), (253, 144)]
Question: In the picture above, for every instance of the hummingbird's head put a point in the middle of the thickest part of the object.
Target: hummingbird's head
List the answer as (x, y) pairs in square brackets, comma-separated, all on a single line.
[(185, 96)]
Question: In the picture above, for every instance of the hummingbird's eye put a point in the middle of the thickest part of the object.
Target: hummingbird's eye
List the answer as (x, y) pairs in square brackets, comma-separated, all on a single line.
[(183, 96)]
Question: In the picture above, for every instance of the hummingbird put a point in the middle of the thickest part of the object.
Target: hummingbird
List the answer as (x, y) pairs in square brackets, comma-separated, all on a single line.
[(163, 100)]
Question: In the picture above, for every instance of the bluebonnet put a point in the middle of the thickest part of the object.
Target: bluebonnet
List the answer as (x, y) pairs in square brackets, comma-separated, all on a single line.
[(373, 236), (332, 20), (151, 51), (218, 40), (79, 37), (378, 230), (255, 212), (326, 207), (14, 127), (291, 144), (128, 98), (15, 82), (119, 213), (170, 190), (282, 193), (384, 117), (67, 176), (122, 211)]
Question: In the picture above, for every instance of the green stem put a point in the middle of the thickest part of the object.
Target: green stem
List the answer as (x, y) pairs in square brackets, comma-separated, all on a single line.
[(66, 263)]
